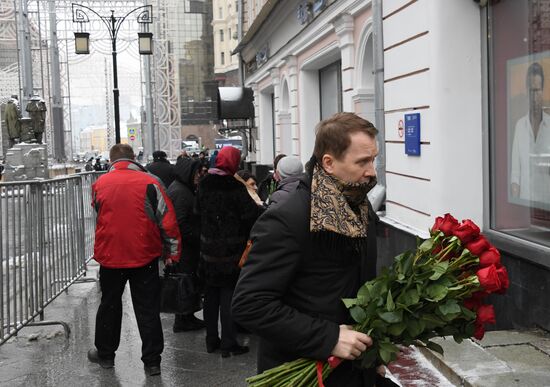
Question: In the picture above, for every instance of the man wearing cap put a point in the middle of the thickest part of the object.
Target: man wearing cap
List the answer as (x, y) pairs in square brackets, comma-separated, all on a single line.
[(290, 170), (162, 168)]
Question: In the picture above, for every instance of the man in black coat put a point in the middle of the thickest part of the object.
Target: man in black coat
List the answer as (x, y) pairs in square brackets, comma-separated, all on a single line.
[(312, 251), (227, 214), (182, 193), (161, 168)]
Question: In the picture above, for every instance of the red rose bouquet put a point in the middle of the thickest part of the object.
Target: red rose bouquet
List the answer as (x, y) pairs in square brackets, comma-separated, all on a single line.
[(437, 290)]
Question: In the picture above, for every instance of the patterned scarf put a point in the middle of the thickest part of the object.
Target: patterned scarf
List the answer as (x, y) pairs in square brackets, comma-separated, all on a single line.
[(337, 206)]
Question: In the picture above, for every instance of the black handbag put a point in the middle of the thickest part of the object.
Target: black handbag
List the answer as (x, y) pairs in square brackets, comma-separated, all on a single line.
[(179, 293)]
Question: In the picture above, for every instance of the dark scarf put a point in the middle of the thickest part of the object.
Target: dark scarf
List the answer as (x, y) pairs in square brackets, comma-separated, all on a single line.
[(337, 206)]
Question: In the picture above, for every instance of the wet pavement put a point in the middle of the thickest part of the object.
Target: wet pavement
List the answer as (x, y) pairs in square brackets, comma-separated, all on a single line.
[(42, 356)]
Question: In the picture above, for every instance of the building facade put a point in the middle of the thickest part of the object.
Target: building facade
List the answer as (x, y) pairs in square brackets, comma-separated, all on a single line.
[(191, 43), (225, 33), (457, 90)]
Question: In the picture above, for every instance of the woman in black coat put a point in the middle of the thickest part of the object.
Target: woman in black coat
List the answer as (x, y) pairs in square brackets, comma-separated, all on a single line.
[(227, 214), (182, 194)]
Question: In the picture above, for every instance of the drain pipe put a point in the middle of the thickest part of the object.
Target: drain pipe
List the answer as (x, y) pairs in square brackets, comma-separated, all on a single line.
[(378, 193)]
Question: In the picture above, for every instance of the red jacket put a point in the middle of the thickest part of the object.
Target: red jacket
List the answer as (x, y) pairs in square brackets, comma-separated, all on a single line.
[(136, 221)]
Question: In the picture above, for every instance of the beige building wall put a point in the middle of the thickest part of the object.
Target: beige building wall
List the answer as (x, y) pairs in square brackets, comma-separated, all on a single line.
[(224, 25)]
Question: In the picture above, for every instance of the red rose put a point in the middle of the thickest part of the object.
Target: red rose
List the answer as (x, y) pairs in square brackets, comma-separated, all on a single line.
[(489, 257), (437, 224), (467, 231), (488, 279), (447, 224), (472, 303), (479, 331), (502, 274), (486, 314), (478, 245)]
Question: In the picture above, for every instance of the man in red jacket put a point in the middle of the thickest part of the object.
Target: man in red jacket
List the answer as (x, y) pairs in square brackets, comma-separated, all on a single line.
[(136, 225)]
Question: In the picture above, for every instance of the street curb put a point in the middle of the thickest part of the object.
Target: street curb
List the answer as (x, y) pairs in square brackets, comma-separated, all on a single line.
[(444, 368)]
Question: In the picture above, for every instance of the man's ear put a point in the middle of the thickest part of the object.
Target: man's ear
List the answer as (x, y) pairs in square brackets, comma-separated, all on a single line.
[(327, 162)]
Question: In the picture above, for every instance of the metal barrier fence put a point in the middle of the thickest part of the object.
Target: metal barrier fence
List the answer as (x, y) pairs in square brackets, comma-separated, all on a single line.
[(46, 240)]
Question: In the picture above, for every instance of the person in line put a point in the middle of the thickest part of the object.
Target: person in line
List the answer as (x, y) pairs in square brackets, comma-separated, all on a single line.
[(97, 166), (161, 168), (529, 181), (249, 180), (182, 193), (308, 253), (269, 184), (212, 160), (227, 214), (290, 169), (136, 226)]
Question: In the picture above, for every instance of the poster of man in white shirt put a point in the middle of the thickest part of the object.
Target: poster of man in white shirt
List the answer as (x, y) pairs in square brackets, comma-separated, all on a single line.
[(530, 151)]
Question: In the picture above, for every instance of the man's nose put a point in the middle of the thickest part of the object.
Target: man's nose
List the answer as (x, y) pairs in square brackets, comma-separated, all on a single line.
[(370, 171)]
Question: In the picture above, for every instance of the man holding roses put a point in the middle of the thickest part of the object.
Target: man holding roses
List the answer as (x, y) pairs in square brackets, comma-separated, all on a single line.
[(312, 251)]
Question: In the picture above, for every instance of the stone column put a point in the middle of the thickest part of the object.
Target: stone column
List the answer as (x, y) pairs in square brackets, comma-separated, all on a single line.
[(343, 26), (292, 65)]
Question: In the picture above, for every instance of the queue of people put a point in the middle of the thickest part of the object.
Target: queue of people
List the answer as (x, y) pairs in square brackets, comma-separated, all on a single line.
[(308, 240)]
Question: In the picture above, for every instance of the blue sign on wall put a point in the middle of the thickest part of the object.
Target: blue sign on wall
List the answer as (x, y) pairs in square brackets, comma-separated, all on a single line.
[(412, 134)]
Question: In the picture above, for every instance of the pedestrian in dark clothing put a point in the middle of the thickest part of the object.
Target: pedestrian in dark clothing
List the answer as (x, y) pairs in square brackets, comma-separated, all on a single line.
[(269, 184), (213, 159), (308, 253), (136, 225), (182, 193), (227, 215), (290, 170), (161, 168), (97, 166)]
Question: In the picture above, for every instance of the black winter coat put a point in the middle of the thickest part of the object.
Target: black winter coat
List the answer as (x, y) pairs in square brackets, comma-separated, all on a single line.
[(290, 289), (284, 188), (163, 170), (227, 214), (182, 194)]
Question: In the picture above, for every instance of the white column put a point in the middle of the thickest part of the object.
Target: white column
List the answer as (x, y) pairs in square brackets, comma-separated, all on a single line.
[(343, 26), (292, 66)]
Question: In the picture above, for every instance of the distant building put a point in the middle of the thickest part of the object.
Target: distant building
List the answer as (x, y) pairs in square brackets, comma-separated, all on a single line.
[(225, 32), (191, 41), (94, 138)]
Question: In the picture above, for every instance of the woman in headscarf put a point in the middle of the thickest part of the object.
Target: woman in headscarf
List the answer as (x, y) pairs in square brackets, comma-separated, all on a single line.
[(227, 214)]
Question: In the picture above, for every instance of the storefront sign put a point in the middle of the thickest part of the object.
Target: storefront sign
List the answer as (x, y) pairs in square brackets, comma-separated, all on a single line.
[(412, 134)]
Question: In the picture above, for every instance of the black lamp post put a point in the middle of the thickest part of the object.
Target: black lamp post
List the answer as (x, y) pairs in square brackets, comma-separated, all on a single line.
[(82, 43)]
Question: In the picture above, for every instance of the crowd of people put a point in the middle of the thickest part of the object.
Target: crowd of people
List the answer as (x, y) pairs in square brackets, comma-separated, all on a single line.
[(304, 240)]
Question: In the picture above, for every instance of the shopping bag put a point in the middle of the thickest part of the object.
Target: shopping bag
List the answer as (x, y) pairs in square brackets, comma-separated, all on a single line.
[(179, 293)]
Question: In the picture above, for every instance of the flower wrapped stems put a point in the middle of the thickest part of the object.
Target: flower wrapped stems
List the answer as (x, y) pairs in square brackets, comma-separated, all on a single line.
[(437, 290)]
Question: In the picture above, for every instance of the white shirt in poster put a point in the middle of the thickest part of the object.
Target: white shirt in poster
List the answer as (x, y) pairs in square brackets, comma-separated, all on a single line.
[(531, 160)]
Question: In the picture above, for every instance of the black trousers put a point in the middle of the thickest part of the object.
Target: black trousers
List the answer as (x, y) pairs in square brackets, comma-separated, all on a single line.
[(217, 301), (145, 290)]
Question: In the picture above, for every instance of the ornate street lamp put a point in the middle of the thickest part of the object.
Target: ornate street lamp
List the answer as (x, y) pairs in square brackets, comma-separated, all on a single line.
[(82, 41), (145, 43)]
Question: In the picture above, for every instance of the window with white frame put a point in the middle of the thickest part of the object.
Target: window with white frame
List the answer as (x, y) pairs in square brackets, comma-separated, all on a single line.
[(519, 116)]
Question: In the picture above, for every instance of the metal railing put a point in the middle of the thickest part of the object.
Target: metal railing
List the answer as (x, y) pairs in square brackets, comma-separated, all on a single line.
[(46, 240)]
